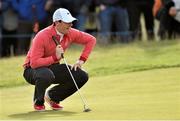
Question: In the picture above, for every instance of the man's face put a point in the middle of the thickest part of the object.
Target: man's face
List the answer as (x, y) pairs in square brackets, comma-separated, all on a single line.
[(63, 27)]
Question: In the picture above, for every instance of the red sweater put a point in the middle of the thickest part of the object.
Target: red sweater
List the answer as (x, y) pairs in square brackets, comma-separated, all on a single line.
[(42, 51)]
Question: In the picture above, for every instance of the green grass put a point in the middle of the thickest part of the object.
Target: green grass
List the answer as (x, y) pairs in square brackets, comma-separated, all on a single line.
[(134, 81), (152, 95), (108, 60)]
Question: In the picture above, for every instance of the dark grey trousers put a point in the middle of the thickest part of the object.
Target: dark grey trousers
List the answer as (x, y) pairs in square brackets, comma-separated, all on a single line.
[(58, 74)]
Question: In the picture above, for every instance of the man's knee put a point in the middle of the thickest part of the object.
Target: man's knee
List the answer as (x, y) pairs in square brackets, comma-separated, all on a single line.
[(83, 76)]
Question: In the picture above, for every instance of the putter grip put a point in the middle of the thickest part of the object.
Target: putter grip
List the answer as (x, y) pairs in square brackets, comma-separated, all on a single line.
[(57, 43)]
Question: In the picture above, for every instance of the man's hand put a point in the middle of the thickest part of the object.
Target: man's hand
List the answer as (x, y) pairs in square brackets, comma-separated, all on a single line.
[(78, 64), (172, 11), (59, 51), (102, 7)]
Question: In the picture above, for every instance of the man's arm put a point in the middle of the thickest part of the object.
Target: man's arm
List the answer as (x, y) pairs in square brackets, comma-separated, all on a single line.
[(85, 39), (37, 56), (88, 41)]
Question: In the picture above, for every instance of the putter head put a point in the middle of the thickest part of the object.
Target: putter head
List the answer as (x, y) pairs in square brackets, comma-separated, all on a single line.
[(87, 110)]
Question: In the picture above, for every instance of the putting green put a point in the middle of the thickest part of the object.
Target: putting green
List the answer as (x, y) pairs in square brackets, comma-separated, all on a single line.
[(153, 95)]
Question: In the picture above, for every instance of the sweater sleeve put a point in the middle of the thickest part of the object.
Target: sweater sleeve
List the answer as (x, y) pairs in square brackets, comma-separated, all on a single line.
[(157, 6), (37, 56), (85, 39)]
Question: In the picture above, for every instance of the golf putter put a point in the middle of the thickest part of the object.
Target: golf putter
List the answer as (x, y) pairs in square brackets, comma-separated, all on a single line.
[(86, 109)]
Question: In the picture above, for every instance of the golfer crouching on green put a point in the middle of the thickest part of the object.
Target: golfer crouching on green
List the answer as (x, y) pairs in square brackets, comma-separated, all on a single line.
[(42, 67)]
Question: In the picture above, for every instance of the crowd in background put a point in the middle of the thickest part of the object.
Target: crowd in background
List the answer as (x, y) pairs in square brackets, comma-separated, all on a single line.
[(108, 20)]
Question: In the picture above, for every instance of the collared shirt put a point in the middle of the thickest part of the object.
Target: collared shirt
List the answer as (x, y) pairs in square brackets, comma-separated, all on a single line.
[(42, 52), (60, 34)]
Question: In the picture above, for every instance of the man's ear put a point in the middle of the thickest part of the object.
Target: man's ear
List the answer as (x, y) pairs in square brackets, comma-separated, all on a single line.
[(56, 22)]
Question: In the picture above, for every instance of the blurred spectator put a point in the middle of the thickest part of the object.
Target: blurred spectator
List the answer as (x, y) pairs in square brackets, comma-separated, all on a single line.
[(168, 14), (9, 30), (1, 20), (135, 8), (92, 20), (32, 17), (78, 8), (113, 19), (81, 13)]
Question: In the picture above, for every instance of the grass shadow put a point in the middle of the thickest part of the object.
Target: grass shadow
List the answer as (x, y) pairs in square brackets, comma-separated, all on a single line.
[(41, 115)]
